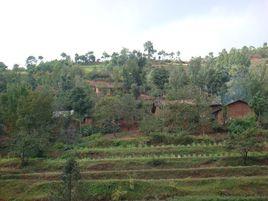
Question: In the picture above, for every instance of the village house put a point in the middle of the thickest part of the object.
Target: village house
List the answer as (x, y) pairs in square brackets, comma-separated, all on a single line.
[(104, 87), (66, 113), (87, 120), (255, 58), (220, 113), (237, 109), (159, 103)]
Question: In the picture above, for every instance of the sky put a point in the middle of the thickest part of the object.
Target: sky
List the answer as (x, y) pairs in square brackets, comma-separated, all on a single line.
[(194, 27)]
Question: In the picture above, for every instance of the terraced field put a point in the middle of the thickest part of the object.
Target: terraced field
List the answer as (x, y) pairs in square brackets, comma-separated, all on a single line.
[(168, 172)]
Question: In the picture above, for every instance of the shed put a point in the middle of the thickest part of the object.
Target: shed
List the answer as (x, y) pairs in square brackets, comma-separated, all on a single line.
[(234, 110), (104, 87), (87, 120)]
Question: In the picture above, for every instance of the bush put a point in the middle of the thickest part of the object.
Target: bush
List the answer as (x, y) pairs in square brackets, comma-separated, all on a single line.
[(151, 124), (156, 162), (99, 75), (88, 130), (237, 126), (102, 142), (97, 140), (216, 127), (244, 137), (1, 129), (204, 139), (109, 127), (177, 139)]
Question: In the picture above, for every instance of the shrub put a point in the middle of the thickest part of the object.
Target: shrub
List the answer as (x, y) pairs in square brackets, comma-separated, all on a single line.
[(97, 140), (216, 127), (102, 142), (156, 162), (109, 127), (88, 130), (204, 139), (99, 75), (237, 126), (151, 124), (177, 139), (244, 137)]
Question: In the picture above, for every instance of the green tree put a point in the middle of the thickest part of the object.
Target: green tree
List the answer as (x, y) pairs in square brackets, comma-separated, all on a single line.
[(31, 61), (161, 54), (85, 59), (118, 194), (172, 55), (128, 110), (10, 103), (160, 77), (16, 66), (179, 116), (2, 66), (40, 58), (123, 58), (63, 55), (194, 69), (215, 81), (70, 176), (135, 90), (244, 137), (149, 48), (80, 101), (178, 53), (132, 74), (105, 56), (2, 125), (178, 78), (258, 103), (69, 189), (90, 57), (107, 114), (210, 76), (3, 81), (34, 120)]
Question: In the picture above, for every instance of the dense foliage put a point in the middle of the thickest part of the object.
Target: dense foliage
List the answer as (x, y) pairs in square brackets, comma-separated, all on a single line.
[(48, 102)]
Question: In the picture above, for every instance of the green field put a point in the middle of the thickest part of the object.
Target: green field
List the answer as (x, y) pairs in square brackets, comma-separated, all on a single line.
[(198, 171)]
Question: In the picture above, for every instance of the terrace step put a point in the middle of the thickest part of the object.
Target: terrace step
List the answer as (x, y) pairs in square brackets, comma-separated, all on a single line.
[(39, 165), (151, 173), (219, 198), (99, 153)]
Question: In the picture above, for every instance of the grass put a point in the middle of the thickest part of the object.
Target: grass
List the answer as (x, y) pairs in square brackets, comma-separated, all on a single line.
[(143, 189), (149, 173), (144, 151), (39, 165), (137, 171), (90, 68), (219, 198)]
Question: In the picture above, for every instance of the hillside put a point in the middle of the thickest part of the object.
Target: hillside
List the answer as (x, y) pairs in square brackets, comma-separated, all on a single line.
[(136, 126), (198, 171)]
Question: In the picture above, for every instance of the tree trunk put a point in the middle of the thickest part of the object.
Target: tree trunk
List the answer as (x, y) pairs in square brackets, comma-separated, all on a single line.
[(22, 157), (69, 196), (245, 157)]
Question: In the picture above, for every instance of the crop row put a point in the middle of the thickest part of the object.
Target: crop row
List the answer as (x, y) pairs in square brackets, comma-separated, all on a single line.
[(188, 154), (155, 156), (219, 198), (141, 189), (98, 154), (141, 146), (151, 173), (39, 165)]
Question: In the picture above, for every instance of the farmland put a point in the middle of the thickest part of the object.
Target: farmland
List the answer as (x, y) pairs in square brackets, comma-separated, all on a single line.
[(135, 126), (175, 172)]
